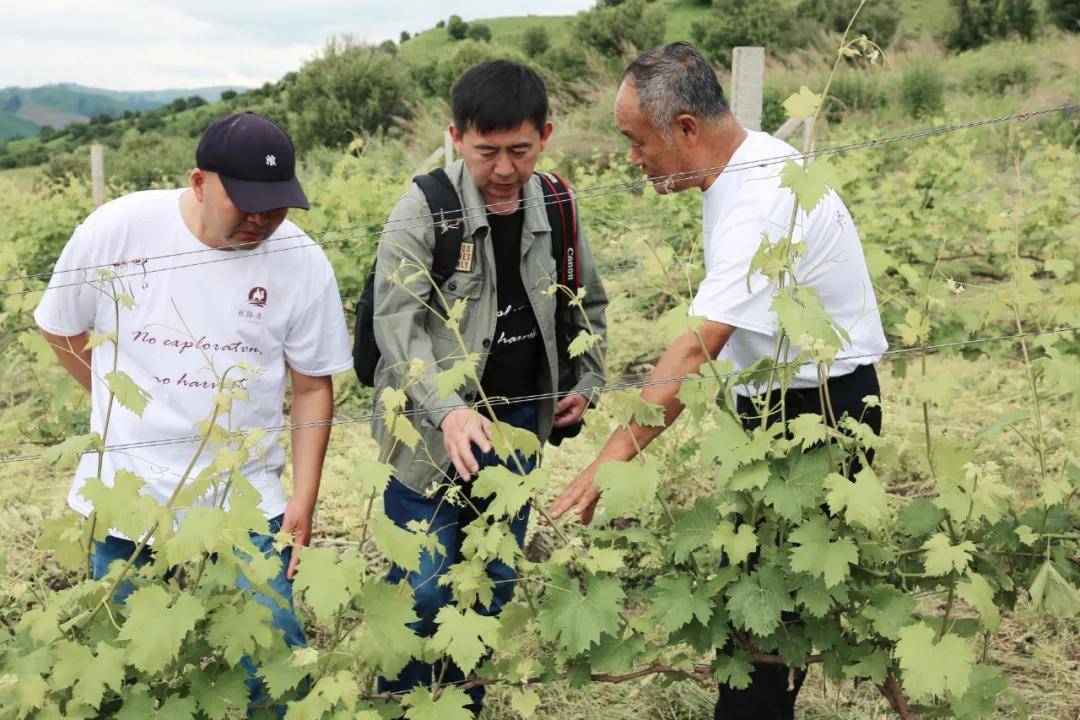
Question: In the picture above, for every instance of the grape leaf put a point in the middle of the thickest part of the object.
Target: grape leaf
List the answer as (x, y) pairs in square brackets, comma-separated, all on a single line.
[(803, 104), (863, 502), (1052, 594), (737, 544), (326, 581), (693, 530), (464, 636), (675, 603), (811, 182), (796, 484), (975, 590), (629, 488), (581, 344), (933, 668), (577, 619), (942, 557), (68, 452), (127, 393), (756, 601), (821, 556), (387, 640), (156, 626), (452, 704)]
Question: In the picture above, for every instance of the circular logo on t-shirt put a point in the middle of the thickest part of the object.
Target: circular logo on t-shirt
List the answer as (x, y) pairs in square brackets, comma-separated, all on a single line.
[(257, 296)]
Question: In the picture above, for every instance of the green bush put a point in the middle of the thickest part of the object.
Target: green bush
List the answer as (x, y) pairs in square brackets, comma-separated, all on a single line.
[(534, 41), (854, 91), (998, 78), (479, 31), (350, 89), (744, 22), (977, 22), (922, 90), (404, 37), (609, 30), (438, 77), (456, 27), (877, 20), (1064, 13)]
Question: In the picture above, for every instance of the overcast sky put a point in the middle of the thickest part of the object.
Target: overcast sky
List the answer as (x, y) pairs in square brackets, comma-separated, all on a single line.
[(158, 44)]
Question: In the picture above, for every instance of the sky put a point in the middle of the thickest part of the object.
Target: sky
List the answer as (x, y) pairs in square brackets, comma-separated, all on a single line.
[(160, 44)]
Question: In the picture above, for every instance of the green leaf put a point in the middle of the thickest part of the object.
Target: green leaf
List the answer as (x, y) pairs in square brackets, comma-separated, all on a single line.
[(1052, 594), (402, 547), (524, 702), (919, 517), (980, 700), (997, 427), (693, 530), (890, 611), (127, 393), (976, 591), (821, 556), (452, 704), (629, 488), (803, 104), (105, 670), (584, 342), (156, 626), (756, 601), (325, 697), (509, 491), (675, 603), (453, 378), (981, 492), (863, 502), (811, 182), (942, 557), (99, 338), (402, 429), (67, 453), (326, 581), (508, 440), (387, 641), (737, 544), (802, 316), (464, 635), (796, 485), (238, 631), (933, 668), (753, 476), (808, 429), (614, 654), (574, 619)]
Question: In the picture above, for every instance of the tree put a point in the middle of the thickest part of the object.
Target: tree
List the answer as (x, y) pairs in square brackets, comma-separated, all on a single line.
[(744, 22), (535, 40), (877, 20), (350, 89), (977, 22), (479, 31), (1064, 13), (457, 28), (228, 94), (610, 30), (405, 36)]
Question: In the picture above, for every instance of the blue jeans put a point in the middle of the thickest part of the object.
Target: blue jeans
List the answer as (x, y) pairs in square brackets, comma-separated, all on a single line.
[(111, 549), (448, 521)]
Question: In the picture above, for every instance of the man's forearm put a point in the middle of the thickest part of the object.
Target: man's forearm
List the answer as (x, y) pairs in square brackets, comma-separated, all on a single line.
[(312, 410), (72, 354)]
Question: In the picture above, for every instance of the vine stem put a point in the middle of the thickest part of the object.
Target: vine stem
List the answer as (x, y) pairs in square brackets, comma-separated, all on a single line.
[(892, 692)]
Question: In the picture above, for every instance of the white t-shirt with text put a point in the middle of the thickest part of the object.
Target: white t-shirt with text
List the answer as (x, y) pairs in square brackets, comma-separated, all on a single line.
[(740, 206), (199, 309)]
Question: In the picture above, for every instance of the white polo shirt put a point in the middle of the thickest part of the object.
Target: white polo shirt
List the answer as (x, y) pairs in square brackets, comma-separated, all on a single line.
[(743, 205)]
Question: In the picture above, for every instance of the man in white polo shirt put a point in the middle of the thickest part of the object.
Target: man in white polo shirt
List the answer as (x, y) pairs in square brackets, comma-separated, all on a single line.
[(672, 109), (225, 289)]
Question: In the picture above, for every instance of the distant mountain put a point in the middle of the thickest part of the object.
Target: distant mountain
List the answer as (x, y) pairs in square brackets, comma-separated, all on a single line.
[(23, 111)]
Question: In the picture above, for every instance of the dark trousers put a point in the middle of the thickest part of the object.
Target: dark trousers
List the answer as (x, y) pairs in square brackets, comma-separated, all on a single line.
[(767, 697), (448, 522)]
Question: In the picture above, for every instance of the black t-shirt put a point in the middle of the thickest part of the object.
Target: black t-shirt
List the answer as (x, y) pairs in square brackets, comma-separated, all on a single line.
[(517, 350)]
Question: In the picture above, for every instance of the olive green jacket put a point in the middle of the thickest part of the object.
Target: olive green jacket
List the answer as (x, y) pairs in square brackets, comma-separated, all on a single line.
[(408, 328)]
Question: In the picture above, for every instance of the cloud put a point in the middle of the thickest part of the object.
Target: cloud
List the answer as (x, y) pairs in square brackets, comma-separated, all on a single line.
[(150, 44)]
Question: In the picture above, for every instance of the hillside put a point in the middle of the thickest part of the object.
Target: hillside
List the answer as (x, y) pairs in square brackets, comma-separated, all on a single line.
[(24, 111)]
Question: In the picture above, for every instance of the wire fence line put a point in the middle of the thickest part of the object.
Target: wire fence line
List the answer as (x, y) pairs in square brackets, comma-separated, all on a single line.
[(630, 385), (473, 212)]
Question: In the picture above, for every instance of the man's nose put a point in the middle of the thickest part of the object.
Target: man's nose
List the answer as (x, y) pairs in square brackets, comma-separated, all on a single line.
[(503, 166), (259, 218)]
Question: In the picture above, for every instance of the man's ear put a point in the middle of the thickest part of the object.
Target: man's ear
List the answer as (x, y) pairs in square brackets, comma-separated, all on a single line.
[(546, 132), (198, 183), (457, 137), (686, 128)]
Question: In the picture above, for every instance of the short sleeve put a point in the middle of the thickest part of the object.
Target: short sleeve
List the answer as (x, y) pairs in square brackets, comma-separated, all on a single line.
[(725, 295), (317, 342), (69, 306)]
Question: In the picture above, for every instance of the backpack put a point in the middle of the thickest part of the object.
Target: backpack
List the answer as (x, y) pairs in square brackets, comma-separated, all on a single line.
[(443, 202)]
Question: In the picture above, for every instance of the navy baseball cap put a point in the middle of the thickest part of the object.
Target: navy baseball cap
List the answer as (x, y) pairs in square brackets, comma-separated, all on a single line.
[(255, 160)]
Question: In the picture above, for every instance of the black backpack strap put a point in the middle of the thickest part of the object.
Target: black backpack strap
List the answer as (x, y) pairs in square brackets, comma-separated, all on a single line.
[(446, 212), (562, 216)]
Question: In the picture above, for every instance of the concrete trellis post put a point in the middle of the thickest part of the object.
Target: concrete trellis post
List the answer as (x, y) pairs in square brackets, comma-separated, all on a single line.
[(747, 83), (97, 173)]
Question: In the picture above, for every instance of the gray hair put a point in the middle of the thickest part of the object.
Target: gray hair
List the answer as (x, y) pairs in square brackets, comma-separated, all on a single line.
[(673, 80)]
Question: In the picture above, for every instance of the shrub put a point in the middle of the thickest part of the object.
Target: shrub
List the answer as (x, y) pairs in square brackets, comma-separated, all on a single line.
[(854, 91), (998, 78), (440, 24), (405, 36), (535, 40), (977, 22), (922, 90), (744, 22), (1064, 13), (479, 31), (439, 76), (228, 94), (457, 28), (877, 20), (348, 90), (609, 29)]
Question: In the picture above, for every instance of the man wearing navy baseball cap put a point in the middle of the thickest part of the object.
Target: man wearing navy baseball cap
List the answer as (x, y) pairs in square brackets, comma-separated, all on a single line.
[(227, 299)]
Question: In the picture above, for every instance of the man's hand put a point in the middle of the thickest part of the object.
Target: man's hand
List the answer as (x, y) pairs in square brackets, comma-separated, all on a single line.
[(581, 494), (297, 521), (463, 428), (570, 409)]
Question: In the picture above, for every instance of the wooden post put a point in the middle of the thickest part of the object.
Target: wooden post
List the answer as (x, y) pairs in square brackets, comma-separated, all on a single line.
[(448, 149), (97, 173), (747, 83)]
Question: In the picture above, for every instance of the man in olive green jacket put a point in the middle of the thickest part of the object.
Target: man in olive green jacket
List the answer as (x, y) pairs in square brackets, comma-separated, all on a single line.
[(503, 282)]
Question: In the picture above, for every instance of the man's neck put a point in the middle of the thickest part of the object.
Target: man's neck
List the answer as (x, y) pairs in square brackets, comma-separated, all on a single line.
[(719, 149), (189, 212)]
